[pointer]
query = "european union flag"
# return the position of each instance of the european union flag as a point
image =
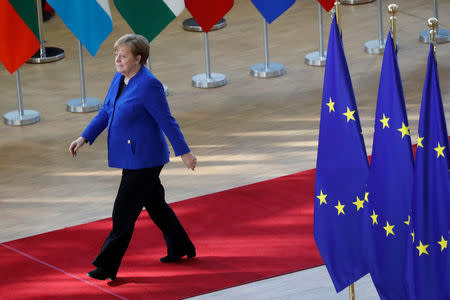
(390, 182)
(428, 259)
(341, 173)
(271, 9)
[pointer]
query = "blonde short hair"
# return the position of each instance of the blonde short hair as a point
(138, 45)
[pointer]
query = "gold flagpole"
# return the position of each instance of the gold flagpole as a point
(433, 23)
(393, 9)
(337, 5)
(351, 291)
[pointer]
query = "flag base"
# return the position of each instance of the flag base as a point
(356, 1)
(90, 105)
(442, 36)
(50, 54)
(273, 70)
(13, 118)
(216, 80)
(192, 25)
(315, 59)
(374, 47)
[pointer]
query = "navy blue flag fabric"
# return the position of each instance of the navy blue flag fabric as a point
(428, 259)
(271, 9)
(341, 173)
(390, 183)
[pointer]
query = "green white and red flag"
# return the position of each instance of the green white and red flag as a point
(149, 17)
(19, 32)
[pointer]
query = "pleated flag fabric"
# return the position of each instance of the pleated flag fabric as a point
(89, 20)
(390, 182)
(270, 9)
(149, 17)
(208, 12)
(428, 259)
(19, 32)
(341, 174)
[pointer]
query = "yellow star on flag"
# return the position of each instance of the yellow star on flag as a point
(440, 150)
(331, 105)
(374, 218)
(419, 142)
(349, 114)
(407, 221)
(422, 248)
(385, 121)
(443, 243)
(359, 203)
(413, 236)
(322, 197)
(366, 197)
(404, 130)
(389, 228)
(340, 208)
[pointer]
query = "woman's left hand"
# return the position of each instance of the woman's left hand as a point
(190, 161)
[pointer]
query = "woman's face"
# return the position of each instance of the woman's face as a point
(126, 63)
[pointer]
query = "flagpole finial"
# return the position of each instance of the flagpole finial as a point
(433, 23)
(337, 5)
(393, 9)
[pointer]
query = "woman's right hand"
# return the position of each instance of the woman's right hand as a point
(73, 148)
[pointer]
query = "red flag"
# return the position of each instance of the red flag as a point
(327, 4)
(19, 32)
(208, 12)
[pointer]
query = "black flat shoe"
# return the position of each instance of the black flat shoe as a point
(173, 259)
(100, 274)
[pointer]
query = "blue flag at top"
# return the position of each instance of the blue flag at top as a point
(341, 173)
(390, 182)
(428, 259)
(271, 9)
(89, 20)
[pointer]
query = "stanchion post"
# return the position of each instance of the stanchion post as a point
(45, 54)
(356, 1)
(318, 58)
(208, 79)
(82, 104)
(21, 116)
(149, 67)
(267, 69)
(393, 9)
(191, 24)
(377, 46)
(442, 35)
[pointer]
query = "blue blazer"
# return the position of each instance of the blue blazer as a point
(137, 122)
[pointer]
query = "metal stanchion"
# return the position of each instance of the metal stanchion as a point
(83, 104)
(377, 46)
(191, 24)
(45, 54)
(208, 79)
(442, 35)
(267, 69)
(356, 1)
(149, 67)
(21, 116)
(318, 58)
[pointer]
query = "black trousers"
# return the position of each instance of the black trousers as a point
(138, 189)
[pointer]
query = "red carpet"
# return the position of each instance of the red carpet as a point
(242, 235)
